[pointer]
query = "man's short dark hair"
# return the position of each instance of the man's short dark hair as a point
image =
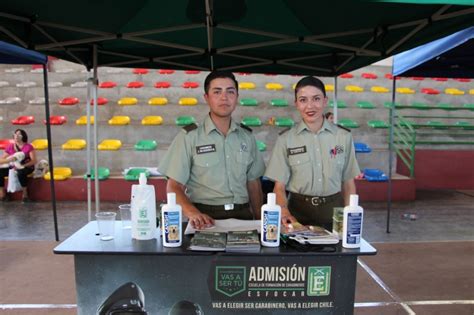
(310, 81)
(219, 74)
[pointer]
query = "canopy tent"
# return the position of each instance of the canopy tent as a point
(325, 38)
(451, 57)
(11, 54)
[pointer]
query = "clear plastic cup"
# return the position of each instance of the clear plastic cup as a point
(126, 216)
(106, 223)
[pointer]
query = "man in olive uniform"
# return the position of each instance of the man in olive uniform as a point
(215, 168)
(314, 161)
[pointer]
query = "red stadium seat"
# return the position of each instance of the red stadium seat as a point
(23, 120)
(243, 73)
(430, 91)
(69, 101)
(56, 120)
(135, 85)
(418, 78)
(390, 76)
(463, 80)
(5, 142)
(140, 71)
(107, 85)
(190, 85)
(440, 79)
(35, 67)
(346, 76)
(100, 101)
(368, 75)
(192, 71)
(162, 85)
(165, 71)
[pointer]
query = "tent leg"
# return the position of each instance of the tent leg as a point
(390, 153)
(50, 152)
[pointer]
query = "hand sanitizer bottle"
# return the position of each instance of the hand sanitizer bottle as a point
(143, 210)
(271, 222)
(171, 218)
(352, 223)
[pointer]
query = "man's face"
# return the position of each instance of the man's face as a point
(310, 102)
(222, 97)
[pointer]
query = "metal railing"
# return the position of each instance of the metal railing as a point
(404, 142)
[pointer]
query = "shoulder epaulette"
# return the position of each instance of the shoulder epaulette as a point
(283, 131)
(245, 127)
(190, 127)
(346, 129)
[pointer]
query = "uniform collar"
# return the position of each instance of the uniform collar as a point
(326, 126)
(210, 126)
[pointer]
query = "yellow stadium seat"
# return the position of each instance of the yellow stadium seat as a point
(74, 144)
(379, 89)
(188, 101)
(328, 87)
(40, 144)
(293, 86)
(158, 101)
(453, 91)
(152, 120)
(110, 144)
(405, 90)
(274, 86)
(119, 120)
(83, 120)
(126, 101)
(354, 88)
(247, 85)
(471, 91)
(60, 173)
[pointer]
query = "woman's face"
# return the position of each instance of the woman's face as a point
(310, 102)
(17, 136)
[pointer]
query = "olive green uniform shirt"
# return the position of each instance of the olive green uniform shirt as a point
(313, 164)
(214, 168)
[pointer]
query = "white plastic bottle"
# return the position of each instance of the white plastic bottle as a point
(143, 210)
(271, 222)
(171, 218)
(352, 223)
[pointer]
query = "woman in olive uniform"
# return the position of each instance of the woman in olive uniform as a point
(314, 161)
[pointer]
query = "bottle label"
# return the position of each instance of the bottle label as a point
(171, 227)
(271, 220)
(354, 224)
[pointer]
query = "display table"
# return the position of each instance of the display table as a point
(273, 281)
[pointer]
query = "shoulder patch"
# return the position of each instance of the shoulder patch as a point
(346, 129)
(283, 131)
(245, 127)
(190, 127)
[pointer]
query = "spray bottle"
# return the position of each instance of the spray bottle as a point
(352, 223)
(271, 222)
(143, 210)
(171, 218)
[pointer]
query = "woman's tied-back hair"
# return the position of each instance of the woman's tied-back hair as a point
(310, 81)
(24, 136)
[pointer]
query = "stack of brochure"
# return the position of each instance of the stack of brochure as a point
(243, 241)
(209, 241)
(311, 235)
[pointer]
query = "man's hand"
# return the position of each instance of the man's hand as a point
(286, 217)
(199, 220)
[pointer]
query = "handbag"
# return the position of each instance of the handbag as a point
(13, 182)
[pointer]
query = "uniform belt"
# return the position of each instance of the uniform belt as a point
(314, 200)
(221, 207)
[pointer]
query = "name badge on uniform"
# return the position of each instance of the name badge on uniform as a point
(207, 148)
(296, 150)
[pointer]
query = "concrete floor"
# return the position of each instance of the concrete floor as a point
(425, 265)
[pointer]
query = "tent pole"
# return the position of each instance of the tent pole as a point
(390, 153)
(335, 101)
(50, 151)
(96, 122)
(88, 149)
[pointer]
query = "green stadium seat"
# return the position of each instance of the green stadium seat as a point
(419, 105)
(145, 145)
(348, 123)
(252, 121)
(340, 104)
(284, 122)
(261, 146)
(377, 124)
(464, 124)
(103, 173)
(389, 104)
(134, 173)
(436, 124)
(469, 106)
(445, 106)
(248, 102)
(279, 102)
(365, 105)
(184, 120)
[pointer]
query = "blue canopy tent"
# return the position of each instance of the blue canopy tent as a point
(451, 56)
(11, 54)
